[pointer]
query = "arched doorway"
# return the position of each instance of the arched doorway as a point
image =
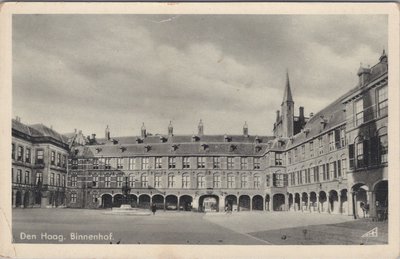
(290, 202)
(144, 201)
(118, 200)
(158, 201)
(267, 202)
(278, 202)
(381, 200)
(26, 199)
(313, 202)
(18, 199)
(132, 200)
(209, 203)
(171, 202)
(106, 201)
(359, 200)
(323, 202)
(304, 201)
(185, 202)
(333, 202)
(343, 202)
(257, 202)
(231, 202)
(297, 201)
(244, 203)
(38, 198)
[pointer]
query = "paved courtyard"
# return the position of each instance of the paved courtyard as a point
(244, 228)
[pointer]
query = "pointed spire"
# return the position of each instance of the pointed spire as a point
(170, 129)
(287, 96)
(200, 128)
(383, 57)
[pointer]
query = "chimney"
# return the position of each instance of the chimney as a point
(363, 75)
(108, 133)
(301, 112)
(311, 114)
(277, 115)
(93, 136)
(200, 128)
(170, 129)
(143, 131)
(245, 129)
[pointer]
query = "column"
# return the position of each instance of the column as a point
(165, 203)
(14, 196)
(251, 203)
(287, 203)
(221, 204)
(22, 199)
(350, 204)
(339, 203)
(271, 203)
(317, 196)
(371, 202)
(177, 203)
(308, 202)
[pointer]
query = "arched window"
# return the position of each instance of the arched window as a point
(382, 145)
(171, 181)
(107, 181)
(243, 181)
(185, 180)
(157, 180)
(132, 180)
(201, 181)
(217, 181)
(231, 181)
(144, 180)
(256, 181)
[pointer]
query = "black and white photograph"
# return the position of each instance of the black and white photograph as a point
(194, 129)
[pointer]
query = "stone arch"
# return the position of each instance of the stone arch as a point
(304, 201)
(171, 202)
(343, 206)
(257, 202)
(244, 202)
(297, 201)
(144, 201)
(279, 202)
(313, 202)
(231, 202)
(158, 201)
(209, 203)
(333, 201)
(106, 200)
(267, 202)
(291, 202)
(323, 201)
(185, 202)
(118, 200)
(359, 199)
(381, 190)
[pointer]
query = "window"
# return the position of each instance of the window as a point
(311, 144)
(95, 181)
(171, 162)
(53, 158)
(73, 197)
(13, 151)
(382, 101)
(243, 181)
(73, 180)
(295, 155)
(39, 156)
(186, 180)
(342, 137)
(119, 181)
(27, 177)
(332, 170)
(145, 163)
(158, 162)
(132, 164)
(108, 163)
(132, 180)
(331, 141)
(360, 154)
(243, 163)
(344, 166)
(39, 177)
(321, 145)
(256, 163)
(277, 179)
(64, 161)
(303, 152)
(157, 181)
(200, 181)
(120, 164)
(230, 163)
(383, 148)
(58, 180)
(278, 159)
(95, 163)
(231, 181)
(322, 171)
(316, 174)
(95, 197)
(107, 181)
(171, 181)
(217, 181)
(257, 181)
(143, 180)
(58, 159)
(20, 153)
(63, 181)
(19, 176)
(201, 162)
(216, 162)
(102, 162)
(52, 179)
(186, 163)
(359, 111)
(290, 157)
(28, 155)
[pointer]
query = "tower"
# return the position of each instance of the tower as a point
(200, 128)
(143, 131)
(245, 129)
(287, 110)
(107, 133)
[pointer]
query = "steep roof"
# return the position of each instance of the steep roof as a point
(287, 95)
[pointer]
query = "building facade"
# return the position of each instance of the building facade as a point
(334, 161)
(39, 166)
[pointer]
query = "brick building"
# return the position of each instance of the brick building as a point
(39, 166)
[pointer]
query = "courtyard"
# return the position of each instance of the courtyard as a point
(71, 226)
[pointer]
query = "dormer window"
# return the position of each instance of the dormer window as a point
(174, 147)
(115, 141)
(227, 138)
(258, 148)
(195, 138)
(98, 150)
(232, 148)
(323, 121)
(139, 140)
(281, 142)
(163, 139)
(147, 148)
(204, 146)
(306, 131)
(122, 149)
(257, 139)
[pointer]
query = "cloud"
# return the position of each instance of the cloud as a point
(87, 71)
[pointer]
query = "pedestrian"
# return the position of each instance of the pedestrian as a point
(154, 209)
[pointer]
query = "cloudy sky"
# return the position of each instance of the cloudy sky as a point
(87, 71)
